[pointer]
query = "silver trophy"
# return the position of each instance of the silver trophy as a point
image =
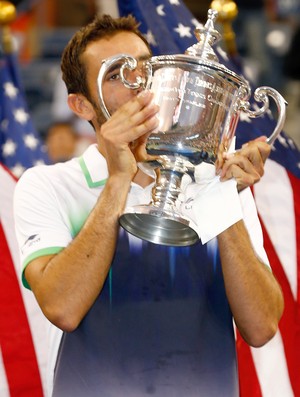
(200, 102)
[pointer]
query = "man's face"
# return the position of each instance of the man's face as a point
(114, 92)
(61, 142)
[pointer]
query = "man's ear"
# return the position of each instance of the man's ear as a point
(81, 106)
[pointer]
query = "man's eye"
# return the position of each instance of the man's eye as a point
(114, 76)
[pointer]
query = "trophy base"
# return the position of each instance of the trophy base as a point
(159, 226)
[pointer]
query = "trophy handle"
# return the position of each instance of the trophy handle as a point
(128, 62)
(261, 95)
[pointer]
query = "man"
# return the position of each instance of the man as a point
(138, 318)
(61, 141)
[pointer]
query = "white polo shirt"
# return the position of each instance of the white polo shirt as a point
(171, 295)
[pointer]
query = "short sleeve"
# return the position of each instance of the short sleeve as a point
(41, 227)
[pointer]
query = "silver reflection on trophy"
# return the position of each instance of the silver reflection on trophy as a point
(200, 101)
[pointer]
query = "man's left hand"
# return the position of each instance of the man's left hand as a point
(245, 165)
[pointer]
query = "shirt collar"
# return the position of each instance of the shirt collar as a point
(94, 167)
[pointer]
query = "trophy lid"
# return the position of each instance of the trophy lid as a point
(202, 55)
(207, 36)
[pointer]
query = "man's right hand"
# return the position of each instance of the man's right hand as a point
(123, 137)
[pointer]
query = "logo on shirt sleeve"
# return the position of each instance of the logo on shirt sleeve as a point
(33, 239)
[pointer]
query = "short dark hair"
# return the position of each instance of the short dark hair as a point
(73, 69)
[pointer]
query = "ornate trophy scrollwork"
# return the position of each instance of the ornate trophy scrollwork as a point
(200, 101)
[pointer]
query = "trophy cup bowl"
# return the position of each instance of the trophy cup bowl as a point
(200, 101)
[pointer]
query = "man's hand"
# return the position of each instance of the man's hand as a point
(123, 137)
(246, 165)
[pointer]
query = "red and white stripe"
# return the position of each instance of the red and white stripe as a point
(273, 370)
(22, 326)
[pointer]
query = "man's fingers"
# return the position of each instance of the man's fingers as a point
(243, 177)
(258, 146)
(246, 165)
(137, 108)
(251, 166)
(251, 155)
(135, 118)
(238, 172)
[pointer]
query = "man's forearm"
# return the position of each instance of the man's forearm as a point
(68, 284)
(253, 293)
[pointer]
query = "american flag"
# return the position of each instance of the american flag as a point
(22, 325)
(273, 370)
(20, 145)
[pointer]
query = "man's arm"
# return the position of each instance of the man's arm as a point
(254, 296)
(253, 293)
(67, 284)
